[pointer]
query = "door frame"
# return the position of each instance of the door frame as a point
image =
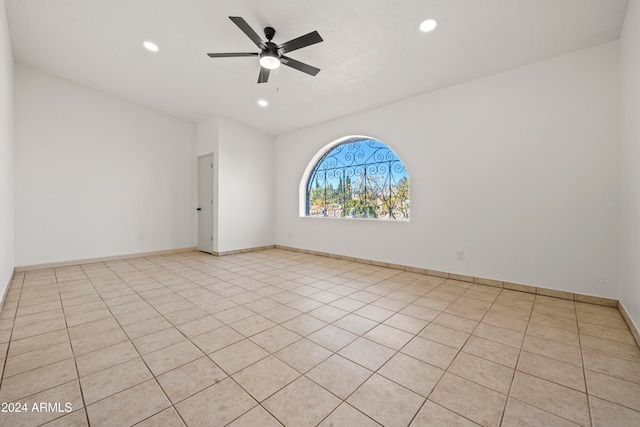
(213, 199)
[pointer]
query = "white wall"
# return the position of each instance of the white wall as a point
(93, 171)
(518, 169)
(6, 155)
(630, 162)
(244, 183)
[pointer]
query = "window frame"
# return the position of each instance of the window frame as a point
(385, 165)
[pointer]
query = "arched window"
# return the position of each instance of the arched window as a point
(359, 177)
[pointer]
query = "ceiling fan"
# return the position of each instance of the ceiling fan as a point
(272, 55)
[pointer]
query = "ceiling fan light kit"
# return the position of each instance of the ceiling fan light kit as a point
(269, 59)
(272, 55)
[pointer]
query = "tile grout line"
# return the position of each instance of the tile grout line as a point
(239, 271)
(335, 353)
(521, 346)
(208, 357)
(554, 382)
(584, 370)
(75, 363)
(153, 375)
(301, 374)
(396, 353)
(460, 351)
(74, 356)
(444, 370)
(515, 368)
(229, 376)
(20, 354)
(13, 325)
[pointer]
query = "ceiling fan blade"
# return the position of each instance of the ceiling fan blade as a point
(300, 42)
(264, 75)
(242, 24)
(300, 66)
(230, 55)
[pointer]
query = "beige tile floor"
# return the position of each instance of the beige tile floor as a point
(278, 337)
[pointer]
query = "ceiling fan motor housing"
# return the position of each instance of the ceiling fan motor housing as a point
(269, 33)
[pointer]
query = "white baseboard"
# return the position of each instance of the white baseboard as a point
(21, 268)
(629, 321)
(577, 297)
(6, 290)
(608, 302)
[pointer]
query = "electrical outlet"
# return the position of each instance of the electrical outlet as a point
(460, 255)
(140, 236)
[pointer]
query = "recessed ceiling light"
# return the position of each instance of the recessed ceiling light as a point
(262, 102)
(428, 25)
(150, 46)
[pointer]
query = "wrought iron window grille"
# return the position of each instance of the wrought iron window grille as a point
(359, 178)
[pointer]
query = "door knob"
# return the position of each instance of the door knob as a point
(199, 209)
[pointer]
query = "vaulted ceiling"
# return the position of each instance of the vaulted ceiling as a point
(373, 51)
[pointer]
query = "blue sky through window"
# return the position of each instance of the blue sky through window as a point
(359, 175)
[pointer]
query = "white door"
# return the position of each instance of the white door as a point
(205, 203)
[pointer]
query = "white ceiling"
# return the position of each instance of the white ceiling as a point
(373, 52)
